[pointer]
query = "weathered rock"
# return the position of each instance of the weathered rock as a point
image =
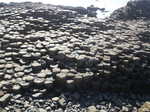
(2, 110)
(70, 84)
(102, 111)
(47, 48)
(49, 82)
(16, 87)
(24, 84)
(134, 9)
(62, 102)
(125, 109)
(4, 98)
(144, 36)
(36, 66)
(92, 109)
(28, 78)
(39, 81)
(42, 110)
(37, 95)
(145, 107)
(61, 77)
(55, 99)
(34, 109)
(1, 93)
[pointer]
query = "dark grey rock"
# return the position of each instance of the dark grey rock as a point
(134, 9)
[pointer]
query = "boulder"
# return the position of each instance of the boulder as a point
(135, 9)
(145, 107)
(92, 109)
(4, 98)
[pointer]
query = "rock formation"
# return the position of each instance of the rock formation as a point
(135, 9)
(46, 48)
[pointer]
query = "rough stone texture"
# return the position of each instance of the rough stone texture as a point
(92, 109)
(4, 98)
(51, 49)
(135, 9)
(145, 107)
(39, 46)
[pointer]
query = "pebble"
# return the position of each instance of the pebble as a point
(145, 107)
(1, 93)
(59, 110)
(62, 102)
(125, 109)
(41, 110)
(5, 98)
(37, 95)
(28, 78)
(38, 81)
(41, 75)
(92, 109)
(2, 110)
(102, 111)
(16, 87)
(55, 99)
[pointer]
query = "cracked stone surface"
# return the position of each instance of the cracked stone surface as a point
(54, 49)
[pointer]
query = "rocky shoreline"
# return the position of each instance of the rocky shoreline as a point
(76, 102)
(52, 57)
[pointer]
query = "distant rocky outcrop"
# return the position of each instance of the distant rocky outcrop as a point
(135, 9)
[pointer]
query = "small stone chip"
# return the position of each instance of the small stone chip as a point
(42, 110)
(2, 110)
(55, 99)
(16, 87)
(1, 93)
(36, 95)
(41, 75)
(38, 81)
(61, 76)
(62, 102)
(36, 64)
(92, 109)
(28, 78)
(145, 107)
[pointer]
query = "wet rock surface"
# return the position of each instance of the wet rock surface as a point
(88, 102)
(52, 57)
